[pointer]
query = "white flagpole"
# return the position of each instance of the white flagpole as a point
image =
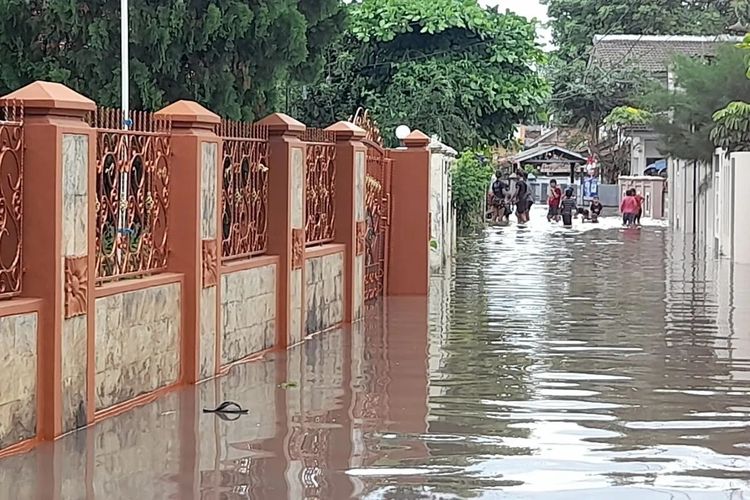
(125, 72)
(125, 105)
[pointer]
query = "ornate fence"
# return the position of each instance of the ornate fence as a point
(11, 199)
(320, 181)
(245, 190)
(132, 194)
(377, 204)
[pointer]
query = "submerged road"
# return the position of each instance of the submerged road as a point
(588, 364)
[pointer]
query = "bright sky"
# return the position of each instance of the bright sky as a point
(527, 8)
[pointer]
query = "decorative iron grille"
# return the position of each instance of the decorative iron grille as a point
(320, 191)
(132, 190)
(244, 190)
(377, 206)
(11, 198)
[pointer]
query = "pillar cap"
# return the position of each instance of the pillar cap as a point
(188, 114)
(281, 124)
(417, 139)
(43, 96)
(345, 131)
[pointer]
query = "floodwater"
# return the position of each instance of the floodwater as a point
(588, 364)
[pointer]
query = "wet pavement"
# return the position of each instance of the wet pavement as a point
(588, 364)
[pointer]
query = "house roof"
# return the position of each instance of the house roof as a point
(653, 53)
(539, 140)
(540, 152)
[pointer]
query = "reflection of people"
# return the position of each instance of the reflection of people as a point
(595, 209)
(568, 207)
(554, 198)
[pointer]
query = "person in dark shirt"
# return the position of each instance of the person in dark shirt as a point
(521, 198)
(568, 207)
(595, 209)
(499, 190)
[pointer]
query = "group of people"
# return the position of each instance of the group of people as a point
(631, 207)
(566, 207)
(504, 198)
(561, 205)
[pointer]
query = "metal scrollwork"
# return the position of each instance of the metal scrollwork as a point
(320, 193)
(132, 189)
(11, 198)
(245, 190)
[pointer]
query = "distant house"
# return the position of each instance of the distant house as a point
(551, 161)
(654, 55)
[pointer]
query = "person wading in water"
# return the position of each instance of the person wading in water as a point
(568, 207)
(521, 198)
(554, 198)
(499, 190)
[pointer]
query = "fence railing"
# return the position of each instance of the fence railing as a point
(132, 194)
(320, 182)
(11, 199)
(245, 189)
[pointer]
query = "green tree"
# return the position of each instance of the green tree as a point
(685, 118)
(229, 55)
(575, 22)
(448, 67)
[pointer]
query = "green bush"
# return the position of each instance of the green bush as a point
(471, 177)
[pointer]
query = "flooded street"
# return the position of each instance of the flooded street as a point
(587, 364)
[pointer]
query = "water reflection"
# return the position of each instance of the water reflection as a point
(591, 364)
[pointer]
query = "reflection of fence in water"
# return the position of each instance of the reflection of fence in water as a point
(11, 198)
(132, 189)
(245, 190)
(320, 184)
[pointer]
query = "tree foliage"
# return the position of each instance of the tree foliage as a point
(585, 95)
(731, 130)
(575, 22)
(447, 67)
(685, 117)
(628, 116)
(227, 54)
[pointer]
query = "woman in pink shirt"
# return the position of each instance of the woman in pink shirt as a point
(629, 208)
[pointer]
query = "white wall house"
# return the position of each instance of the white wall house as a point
(443, 214)
(711, 203)
(698, 192)
(644, 150)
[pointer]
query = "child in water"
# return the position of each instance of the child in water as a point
(568, 207)
(629, 208)
(595, 209)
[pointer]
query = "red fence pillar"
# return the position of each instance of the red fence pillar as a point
(193, 219)
(286, 222)
(409, 260)
(58, 257)
(350, 213)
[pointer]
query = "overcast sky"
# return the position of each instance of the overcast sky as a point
(527, 8)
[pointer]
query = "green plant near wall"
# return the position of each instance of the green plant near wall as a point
(471, 177)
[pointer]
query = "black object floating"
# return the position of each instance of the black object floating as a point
(228, 410)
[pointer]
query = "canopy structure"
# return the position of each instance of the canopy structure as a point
(551, 159)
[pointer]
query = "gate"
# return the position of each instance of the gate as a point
(377, 206)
